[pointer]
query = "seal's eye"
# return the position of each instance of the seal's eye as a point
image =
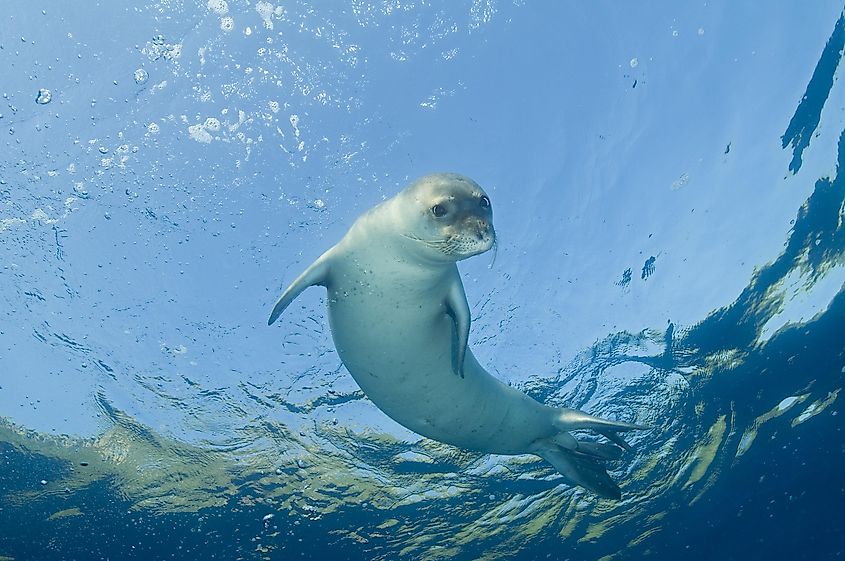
(484, 202)
(438, 210)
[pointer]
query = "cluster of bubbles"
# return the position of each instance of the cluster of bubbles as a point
(158, 48)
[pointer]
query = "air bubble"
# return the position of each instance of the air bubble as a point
(44, 96)
(141, 76)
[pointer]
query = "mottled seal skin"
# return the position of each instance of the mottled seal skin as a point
(400, 321)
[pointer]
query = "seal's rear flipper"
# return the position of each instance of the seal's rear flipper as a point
(579, 469)
(572, 419)
(316, 274)
(599, 450)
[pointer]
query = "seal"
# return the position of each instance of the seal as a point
(400, 321)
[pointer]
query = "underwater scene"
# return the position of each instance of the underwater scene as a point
(648, 226)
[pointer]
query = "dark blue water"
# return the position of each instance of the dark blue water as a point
(782, 502)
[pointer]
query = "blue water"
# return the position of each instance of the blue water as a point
(668, 192)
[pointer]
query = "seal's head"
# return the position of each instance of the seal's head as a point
(448, 216)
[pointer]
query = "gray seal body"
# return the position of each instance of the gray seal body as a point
(400, 322)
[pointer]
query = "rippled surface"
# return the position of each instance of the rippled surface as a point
(668, 198)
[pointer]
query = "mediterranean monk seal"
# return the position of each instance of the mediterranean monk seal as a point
(400, 321)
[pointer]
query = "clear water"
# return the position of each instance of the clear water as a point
(667, 193)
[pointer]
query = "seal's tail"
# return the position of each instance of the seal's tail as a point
(580, 461)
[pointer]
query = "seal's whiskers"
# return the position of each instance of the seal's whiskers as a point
(446, 246)
(495, 252)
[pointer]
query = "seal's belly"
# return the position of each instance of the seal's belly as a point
(400, 353)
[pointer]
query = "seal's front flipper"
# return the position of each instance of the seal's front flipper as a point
(315, 274)
(458, 309)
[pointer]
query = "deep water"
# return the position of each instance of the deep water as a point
(782, 502)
